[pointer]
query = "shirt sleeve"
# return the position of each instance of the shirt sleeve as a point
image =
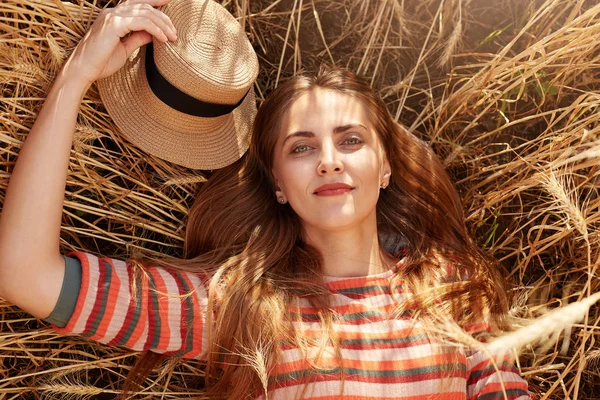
(493, 376)
(67, 300)
(158, 309)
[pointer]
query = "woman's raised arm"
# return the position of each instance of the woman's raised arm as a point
(31, 267)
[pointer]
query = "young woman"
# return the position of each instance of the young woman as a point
(315, 266)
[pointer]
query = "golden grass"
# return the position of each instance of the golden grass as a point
(505, 93)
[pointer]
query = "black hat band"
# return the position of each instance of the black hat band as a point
(179, 100)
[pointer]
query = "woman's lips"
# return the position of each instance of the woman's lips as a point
(333, 189)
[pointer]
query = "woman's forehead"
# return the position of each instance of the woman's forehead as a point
(324, 107)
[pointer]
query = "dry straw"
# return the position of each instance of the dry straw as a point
(506, 95)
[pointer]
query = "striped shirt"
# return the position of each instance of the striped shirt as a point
(383, 358)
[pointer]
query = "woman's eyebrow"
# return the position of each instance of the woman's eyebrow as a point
(336, 130)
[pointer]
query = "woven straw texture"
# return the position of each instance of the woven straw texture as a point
(213, 61)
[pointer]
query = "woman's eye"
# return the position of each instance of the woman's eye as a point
(352, 140)
(300, 148)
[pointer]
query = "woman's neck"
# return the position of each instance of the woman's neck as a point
(349, 252)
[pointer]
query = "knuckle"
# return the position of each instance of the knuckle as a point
(109, 19)
(152, 27)
(145, 11)
(149, 21)
(103, 14)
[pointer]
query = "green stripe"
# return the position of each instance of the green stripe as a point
(154, 299)
(500, 395)
(360, 315)
(295, 316)
(341, 317)
(439, 368)
(506, 366)
(363, 289)
(380, 341)
(407, 339)
(137, 311)
(106, 284)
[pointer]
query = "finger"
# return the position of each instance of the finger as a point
(159, 18)
(163, 21)
(146, 24)
(153, 3)
(164, 17)
(135, 41)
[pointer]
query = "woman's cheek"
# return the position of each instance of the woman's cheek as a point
(294, 182)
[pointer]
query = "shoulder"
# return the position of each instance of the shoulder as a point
(97, 269)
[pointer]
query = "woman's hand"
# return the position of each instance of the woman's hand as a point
(31, 267)
(105, 48)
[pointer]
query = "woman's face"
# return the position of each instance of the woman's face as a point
(329, 163)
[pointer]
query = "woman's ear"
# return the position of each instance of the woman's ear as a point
(276, 180)
(278, 190)
(387, 174)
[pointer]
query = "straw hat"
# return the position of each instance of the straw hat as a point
(190, 102)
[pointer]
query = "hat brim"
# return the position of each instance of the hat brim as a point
(153, 126)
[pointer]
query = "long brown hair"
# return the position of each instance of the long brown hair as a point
(253, 249)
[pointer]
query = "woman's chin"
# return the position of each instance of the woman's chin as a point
(336, 222)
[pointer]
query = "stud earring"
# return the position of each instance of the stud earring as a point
(281, 200)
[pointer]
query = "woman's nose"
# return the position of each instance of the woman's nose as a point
(330, 160)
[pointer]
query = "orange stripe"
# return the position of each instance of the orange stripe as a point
(396, 334)
(346, 308)
(446, 396)
(477, 328)
(487, 362)
(111, 303)
(358, 282)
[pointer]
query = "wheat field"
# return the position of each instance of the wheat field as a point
(506, 94)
